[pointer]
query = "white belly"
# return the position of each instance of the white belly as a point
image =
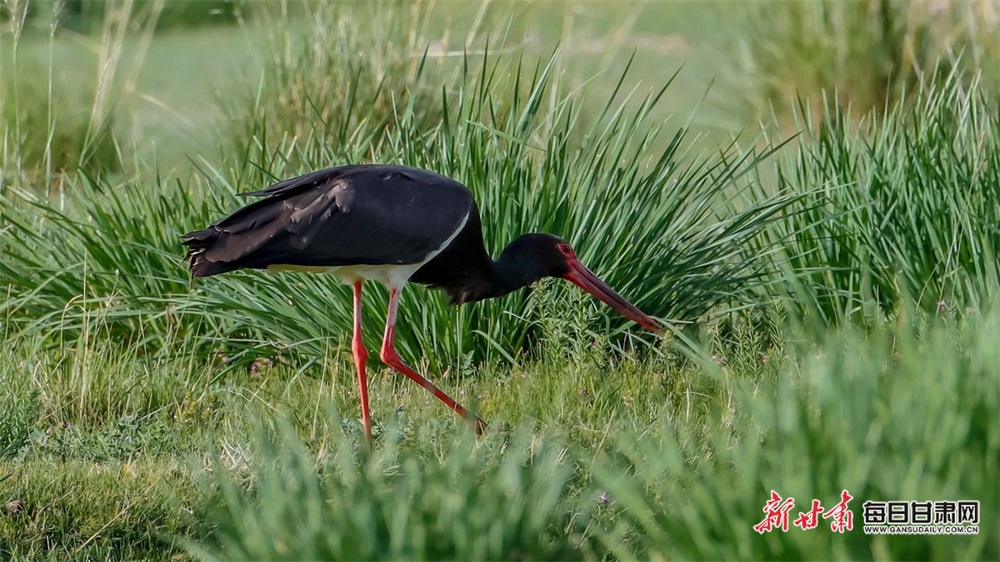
(389, 275)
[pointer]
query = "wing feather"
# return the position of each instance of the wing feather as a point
(350, 215)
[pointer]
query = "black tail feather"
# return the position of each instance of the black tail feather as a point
(197, 243)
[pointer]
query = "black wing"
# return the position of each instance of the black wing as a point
(349, 215)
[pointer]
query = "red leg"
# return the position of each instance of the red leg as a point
(360, 356)
(391, 358)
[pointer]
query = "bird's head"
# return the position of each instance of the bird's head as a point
(534, 256)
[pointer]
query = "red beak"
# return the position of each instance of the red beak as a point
(584, 278)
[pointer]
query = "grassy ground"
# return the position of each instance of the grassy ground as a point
(113, 454)
(831, 300)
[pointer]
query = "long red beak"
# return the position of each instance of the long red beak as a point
(584, 278)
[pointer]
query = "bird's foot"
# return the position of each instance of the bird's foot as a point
(479, 425)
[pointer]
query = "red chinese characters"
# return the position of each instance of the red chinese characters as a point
(776, 515)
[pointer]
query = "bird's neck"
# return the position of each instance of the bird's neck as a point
(506, 274)
(509, 274)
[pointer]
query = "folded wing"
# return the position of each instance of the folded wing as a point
(350, 215)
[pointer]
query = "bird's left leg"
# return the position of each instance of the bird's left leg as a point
(360, 356)
(391, 358)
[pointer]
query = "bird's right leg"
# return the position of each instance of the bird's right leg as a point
(360, 356)
(391, 358)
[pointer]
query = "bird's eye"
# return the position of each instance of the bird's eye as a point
(566, 250)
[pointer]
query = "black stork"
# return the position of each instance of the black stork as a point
(391, 224)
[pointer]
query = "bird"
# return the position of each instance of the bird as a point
(392, 224)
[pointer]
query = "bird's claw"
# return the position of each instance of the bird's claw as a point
(479, 425)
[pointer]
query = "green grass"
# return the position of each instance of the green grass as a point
(867, 55)
(76, 509)
(832, 300)
(701, 236)
(913, 197)
(686, 447)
